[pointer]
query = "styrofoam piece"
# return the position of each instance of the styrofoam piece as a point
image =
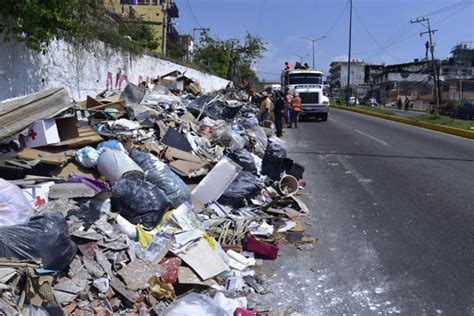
(216, 181)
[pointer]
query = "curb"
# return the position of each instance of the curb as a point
(439, 128)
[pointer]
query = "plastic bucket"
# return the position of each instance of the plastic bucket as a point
(288, 185)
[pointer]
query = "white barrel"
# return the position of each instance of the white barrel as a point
(114, 163)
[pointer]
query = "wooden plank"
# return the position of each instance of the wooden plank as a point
(86, 137)
(18, 114)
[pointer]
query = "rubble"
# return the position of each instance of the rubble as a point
(152, 201)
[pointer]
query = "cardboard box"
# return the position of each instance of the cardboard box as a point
(37, 195)
(52, 131)
(42, 133)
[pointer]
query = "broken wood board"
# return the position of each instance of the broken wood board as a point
(47, 155)
(19, 113)
(119, 105)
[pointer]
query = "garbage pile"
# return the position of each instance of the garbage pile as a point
(146, 202)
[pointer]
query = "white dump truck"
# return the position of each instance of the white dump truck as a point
(308, 84)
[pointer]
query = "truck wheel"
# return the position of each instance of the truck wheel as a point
(324, 117)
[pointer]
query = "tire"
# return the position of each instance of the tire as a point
(324, 117)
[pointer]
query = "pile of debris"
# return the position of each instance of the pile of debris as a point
(146, 202)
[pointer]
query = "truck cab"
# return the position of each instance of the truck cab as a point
(308, 84)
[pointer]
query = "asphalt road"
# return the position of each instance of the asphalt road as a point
(393, 208)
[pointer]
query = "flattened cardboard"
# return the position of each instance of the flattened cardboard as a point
(203, 260)
(49, 156)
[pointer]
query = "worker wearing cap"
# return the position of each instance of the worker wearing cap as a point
(296, 109)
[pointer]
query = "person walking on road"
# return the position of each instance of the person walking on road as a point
(296, 109)
(265, 106)
(407, 104)
(278, 111)
(399, 103)
(288, 110)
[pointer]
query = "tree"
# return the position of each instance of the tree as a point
(230, 58)
(38, 22)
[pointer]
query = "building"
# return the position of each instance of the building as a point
(457, 74)
(337, 78)
(159, 14)
(411, 80)
(187, 43)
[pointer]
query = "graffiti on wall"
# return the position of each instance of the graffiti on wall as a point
(121, 80)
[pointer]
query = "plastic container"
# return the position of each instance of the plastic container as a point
(113, 164)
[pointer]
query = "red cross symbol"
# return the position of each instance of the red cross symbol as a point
(39, 201)
(32, 134)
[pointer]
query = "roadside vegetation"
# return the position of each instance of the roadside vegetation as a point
(37, 23)
(434, 118)
(446, 121)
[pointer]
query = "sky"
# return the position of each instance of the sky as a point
(381, 29)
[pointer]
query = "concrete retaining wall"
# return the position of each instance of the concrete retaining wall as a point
(83, 71)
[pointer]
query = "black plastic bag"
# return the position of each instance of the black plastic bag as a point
(163, 177)
(273, 161)
(217, 109)
(245, 186)
(45, 237)
(243, 158)
(139, 201)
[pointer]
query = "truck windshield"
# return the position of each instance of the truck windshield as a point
(305, 79)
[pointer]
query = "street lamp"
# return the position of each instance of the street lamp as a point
(313, 40)
(301, 57)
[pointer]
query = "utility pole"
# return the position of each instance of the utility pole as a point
(435, 71)
(165, 26)
(349, 59)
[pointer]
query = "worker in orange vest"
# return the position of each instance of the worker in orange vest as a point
(287, 67)
(296, 109)
(288, 99)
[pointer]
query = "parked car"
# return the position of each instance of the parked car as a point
(465, 111)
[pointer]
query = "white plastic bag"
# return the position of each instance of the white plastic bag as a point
(194, 304)
(14, 207)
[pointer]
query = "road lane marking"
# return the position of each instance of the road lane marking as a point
(372, 137)
(332, 120)
(364, 182)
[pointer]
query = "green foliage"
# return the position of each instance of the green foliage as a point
(38, 22)
(230, 58)
(175, 51)
(141, 34)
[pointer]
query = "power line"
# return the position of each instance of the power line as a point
(454, 13)
(260, 16)
(338, 19)
(404, 33)
(193, 15)
(449, 7)
(372, 37)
